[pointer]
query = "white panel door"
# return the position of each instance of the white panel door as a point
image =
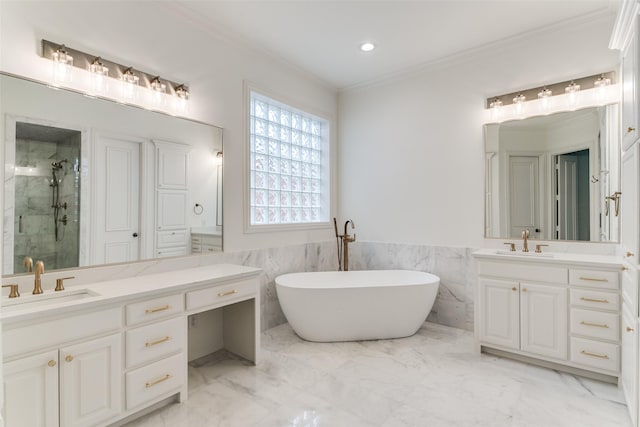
(524, 195)
(91, 382)
(629, 363)
(31, 391)
(629, 94)
(567, 197)
(499, 318)
(172, 210)
(117, 198)
(629, 204)
(543, 311)
(173, 166)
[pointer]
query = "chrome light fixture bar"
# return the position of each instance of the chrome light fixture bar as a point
(106, 68)
(583, 83)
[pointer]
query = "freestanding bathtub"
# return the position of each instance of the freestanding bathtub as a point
(356, 305)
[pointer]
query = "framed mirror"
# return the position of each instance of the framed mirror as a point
(557, 176)
(89, 181)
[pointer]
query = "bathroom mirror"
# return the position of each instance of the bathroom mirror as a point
(556, 176)
(89, 181)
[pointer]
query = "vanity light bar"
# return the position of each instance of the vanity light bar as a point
(583, 83)
(114, 70)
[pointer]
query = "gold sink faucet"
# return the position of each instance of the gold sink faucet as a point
(37, 285)
(525, 236)
(28, 263)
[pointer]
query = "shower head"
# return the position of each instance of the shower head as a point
(58, 165)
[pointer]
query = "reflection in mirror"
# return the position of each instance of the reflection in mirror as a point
(91, 182)
(555, 175)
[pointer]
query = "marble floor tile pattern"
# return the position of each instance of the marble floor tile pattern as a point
(433, 379)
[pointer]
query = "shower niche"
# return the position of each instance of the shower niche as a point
(47, 196)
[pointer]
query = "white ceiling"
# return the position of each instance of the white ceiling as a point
(323, 37)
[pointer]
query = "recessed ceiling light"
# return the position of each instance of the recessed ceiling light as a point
(367, 47)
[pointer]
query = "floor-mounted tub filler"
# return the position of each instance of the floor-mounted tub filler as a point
(356, 305)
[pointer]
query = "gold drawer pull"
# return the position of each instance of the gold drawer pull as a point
(600, 356)
(224, 294)
(604, 301)
(630, 129)
(599, 325)
(155, 310)
(160, 341)
(593, 279)
(158, 381)
(52, 363)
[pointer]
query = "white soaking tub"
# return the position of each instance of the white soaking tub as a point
(356, 305)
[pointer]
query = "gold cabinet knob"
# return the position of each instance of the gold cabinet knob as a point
(52, 363)
(625, 268)
(69, 358)
(514, 289)
(630, 129)
(629, 254)
(630, 329)
(524, 289)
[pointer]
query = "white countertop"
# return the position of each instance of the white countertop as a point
(211, 231)
(551, 258)
(114, 291)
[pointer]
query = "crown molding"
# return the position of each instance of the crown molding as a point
(623, 28)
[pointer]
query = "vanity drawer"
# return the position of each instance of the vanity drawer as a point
(595, 324)
(630, 288)
(595, 299)
(153, 309)
(154, 380)
(168, 252)
(53, 332)
(167, 239)
(594, 278)
(595, 354)
(532, 272)
(207, 249)
(154, 341)
(219, 295)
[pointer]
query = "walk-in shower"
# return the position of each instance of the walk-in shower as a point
(47, 196)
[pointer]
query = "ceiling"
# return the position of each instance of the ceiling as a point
(323, 37)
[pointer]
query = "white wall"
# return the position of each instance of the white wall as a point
(411, 149)
(160, 38)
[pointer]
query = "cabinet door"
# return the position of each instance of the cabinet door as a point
(173, 166)
(499, 320)
(172, 210)
(543, 316)
(629, 94)
(629, 204)
(629, 363)
(31, 391)
(91, 381)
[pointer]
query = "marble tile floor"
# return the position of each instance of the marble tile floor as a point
(433, 379)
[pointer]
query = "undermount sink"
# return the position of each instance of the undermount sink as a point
(529, 254)
(30, 301)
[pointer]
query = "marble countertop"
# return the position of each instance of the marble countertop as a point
(551, 258)
(211, 231)
(114, 291)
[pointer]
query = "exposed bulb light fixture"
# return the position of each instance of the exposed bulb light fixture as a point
(519, 102)
(159, 89)
(99, 75)
(495, 106)
(135, 86)
(367, 47)
(545, 96)
(129, 84)
(601, 83)
(182, 95)
(571, 90)
(62, 65)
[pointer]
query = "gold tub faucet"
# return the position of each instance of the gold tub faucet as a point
(37, 284)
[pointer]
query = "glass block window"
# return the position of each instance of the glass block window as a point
(289, 164)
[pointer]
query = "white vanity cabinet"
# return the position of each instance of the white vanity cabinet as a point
(524, 316)
(95, 362)
(629, 65)
(68, 385)
(205, 243)
(561, 312)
